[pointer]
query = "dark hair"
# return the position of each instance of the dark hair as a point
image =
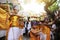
(34, 23)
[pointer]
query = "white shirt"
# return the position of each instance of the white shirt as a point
(14, 33)
(54, 26)
(23, 30)
(29, 26)
(2, 33)
(42, 36)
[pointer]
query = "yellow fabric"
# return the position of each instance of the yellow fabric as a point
(46, 30)
(14, 20)
(4, 16)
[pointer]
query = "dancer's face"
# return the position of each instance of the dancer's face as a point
(35, 26)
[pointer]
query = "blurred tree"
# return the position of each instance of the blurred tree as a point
(49, 3)
(11, 6)
(53, 7)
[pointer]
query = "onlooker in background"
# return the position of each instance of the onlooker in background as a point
(57, 22)
(27, 26)
(53, 29)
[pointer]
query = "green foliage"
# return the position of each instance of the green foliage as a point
(11, 5)
(53, 7)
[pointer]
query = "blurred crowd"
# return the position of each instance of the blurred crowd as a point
(47, 29)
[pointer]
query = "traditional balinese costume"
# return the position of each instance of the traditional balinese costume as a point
(4, 23)
(15, 32)
(34, 33)
(46, 31)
